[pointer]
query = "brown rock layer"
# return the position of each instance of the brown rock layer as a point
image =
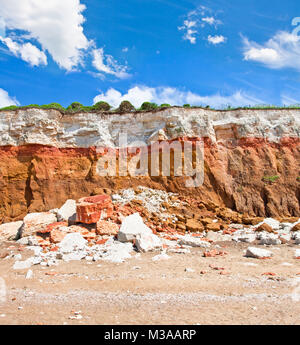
(252, 176)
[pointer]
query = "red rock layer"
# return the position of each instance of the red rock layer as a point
(37, 178)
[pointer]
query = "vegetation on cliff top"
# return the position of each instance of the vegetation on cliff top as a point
(126, 106)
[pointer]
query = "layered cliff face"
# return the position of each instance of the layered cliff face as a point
(251, 157)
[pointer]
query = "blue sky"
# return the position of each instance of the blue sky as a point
(185, 51)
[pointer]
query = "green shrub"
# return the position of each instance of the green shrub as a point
(186, 106)
(103, 106)
(10, 107)
(30, 106)
(52, 106)
(270, 178)
(75, 106)
(165, 105)
(149, 106)
(126, 107)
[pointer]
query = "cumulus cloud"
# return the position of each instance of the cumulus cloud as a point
(107, 64)
(280, 51)
(6, 100)
(55, 24)
(57, 27)
(27, 52)
(216, 39)
(139, 94)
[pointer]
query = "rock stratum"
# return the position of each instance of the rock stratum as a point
(251, 157)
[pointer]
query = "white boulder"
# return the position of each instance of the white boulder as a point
(258, 253)
(67, 212)
(34, 222)
(269, 240)
(247, 238)
(217, 237)
(71, 243)
(146, 242)
(131, 227)
(9, 231)
(192, 241)
(113, 251)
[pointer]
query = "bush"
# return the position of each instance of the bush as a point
(165, 105)
(30, 106)
(149, 106)
(75, 106)
(126, 107)
(186, 106)
(103, 106)
(52, 106)
(10, 107)
(270, 178)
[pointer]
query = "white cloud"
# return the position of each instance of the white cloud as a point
(209, 20)
(55, 24)
(216, 39)
(139, 94)
(27, 52)
(281, 51)
(107, 64)
(197, 20)
(189, 33)
(6, 100)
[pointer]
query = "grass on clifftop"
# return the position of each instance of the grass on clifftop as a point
(126, 106)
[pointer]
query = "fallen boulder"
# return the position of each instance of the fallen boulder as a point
(217, 237)
(146, 242)
(247, 238)
(131, 227)
(269, 240)
(9, 231)
(67, 212)
(193, 242)
(71, 243)
(92, 209)
(258, 253)
(36, 222)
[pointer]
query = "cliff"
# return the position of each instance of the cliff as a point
(252, 157)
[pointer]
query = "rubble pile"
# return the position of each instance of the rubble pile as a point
(153, 200)
(142, 220)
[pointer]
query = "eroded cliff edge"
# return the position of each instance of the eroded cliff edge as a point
(47, 157)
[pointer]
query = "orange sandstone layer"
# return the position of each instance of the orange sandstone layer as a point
(36, 178)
